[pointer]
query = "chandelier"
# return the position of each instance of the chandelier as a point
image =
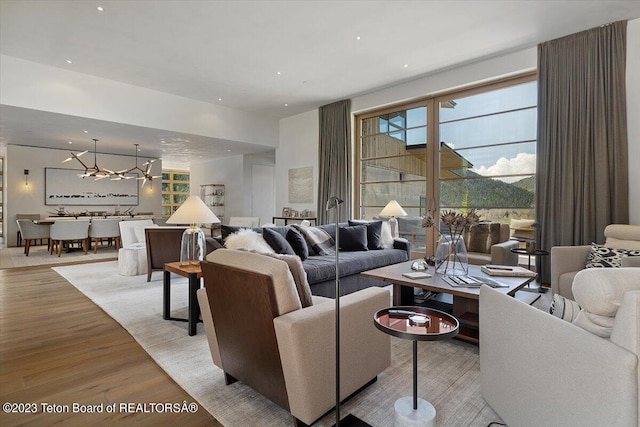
(93, 171)
(146, 173)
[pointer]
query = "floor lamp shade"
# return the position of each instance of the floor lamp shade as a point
(392, 210)
(193, 212)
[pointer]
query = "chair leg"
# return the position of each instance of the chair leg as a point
(95, 245)
(60, 244)
(27, 246)
(85, 245)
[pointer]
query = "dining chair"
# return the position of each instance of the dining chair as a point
(31, 232)
(101, 229)
(69, 231)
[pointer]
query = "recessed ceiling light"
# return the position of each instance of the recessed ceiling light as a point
(100, 9)
(406, 65)
(70, 142)
(219, 99)
(228, 151)
(86, 131)
(278, 73)
(358, 38)
(286, 105)
(69, 61)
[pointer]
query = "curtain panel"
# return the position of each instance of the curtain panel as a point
(334, 160)
(582, 159)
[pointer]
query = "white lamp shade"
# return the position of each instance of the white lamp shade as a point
(193, 211)
(393, 209)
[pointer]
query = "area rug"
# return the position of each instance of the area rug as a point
(39, 255)
(449, 371)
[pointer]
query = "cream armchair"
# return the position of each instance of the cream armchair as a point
(259, 334)
(539, 370)
(567, 261)
(488, 243)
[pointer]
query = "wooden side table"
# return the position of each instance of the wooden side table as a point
(194, 273)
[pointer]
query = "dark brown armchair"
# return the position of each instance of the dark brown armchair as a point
(163, 246)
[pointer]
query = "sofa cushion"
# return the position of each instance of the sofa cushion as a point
(322, 268)
(226, 230)
(248, 240)
(277, 242)
(353, 238)
(599, 292)
(317, 239)
(374, 232)
(298, 244)
(602, 256)
(564, 308)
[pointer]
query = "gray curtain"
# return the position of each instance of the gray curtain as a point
(335, 160)
(582, 161)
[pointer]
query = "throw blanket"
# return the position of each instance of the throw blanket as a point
(317, 239)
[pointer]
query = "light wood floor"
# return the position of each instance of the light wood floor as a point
(58, 347)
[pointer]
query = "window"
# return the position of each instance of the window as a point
(175, 190)
(485, 156)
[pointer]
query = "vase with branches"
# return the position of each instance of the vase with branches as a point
(451, 253)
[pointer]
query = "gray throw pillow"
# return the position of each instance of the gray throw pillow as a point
(353, 238)
(279, 244)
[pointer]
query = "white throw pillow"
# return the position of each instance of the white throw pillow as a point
(139, 232)
(248, 240)
(387, 237)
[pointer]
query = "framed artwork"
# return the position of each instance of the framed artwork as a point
(63, 187)
(294, 214)
(286, 212)
(301, 185)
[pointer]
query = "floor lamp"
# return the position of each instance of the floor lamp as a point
(349, 420)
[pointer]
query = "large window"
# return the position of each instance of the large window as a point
(485, 156)
(175, 190)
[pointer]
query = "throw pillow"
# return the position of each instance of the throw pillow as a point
(353, 238)
(318, 239)
(248, 240)
(299, 277)
(277, 242)
(387, 237)
(298, 244)
(564, 308)
(480, 237)
(227, 230)
(602, 256)
(212, 244)
(374, 233)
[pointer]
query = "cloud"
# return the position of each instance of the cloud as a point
(522, 163)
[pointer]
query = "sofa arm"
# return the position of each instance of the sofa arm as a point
(501, 253)
(577, 378)
(567, 259)
(404, 244)
(306, 340)
(630, 261)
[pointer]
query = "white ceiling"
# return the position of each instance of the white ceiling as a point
(233, 50)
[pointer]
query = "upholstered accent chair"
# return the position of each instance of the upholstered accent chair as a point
(539, 370)
(259, 334)
(163, 246)
(567, 261)
(488, 243)
(31, 232)
(69, 231)
(132, 256)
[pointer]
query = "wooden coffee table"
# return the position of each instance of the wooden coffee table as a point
(465, 300)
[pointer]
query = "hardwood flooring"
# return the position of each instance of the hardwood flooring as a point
(57, 347)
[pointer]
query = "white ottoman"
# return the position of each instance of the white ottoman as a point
(132, 261)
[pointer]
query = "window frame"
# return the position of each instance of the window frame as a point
(173, 205)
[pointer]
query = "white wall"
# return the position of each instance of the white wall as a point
(41, 87)
(633, 116)
(20, 199)
(298, 148)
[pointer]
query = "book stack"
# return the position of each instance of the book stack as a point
(507, 270)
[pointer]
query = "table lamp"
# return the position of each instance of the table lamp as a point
(392, 210)
(193, 212)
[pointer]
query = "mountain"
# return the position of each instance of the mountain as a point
(487, 193)
(528, 183)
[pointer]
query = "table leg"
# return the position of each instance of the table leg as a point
(194, 283)
(415, 375)
(166, 294)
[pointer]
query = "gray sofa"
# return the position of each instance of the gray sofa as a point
(320, 269)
